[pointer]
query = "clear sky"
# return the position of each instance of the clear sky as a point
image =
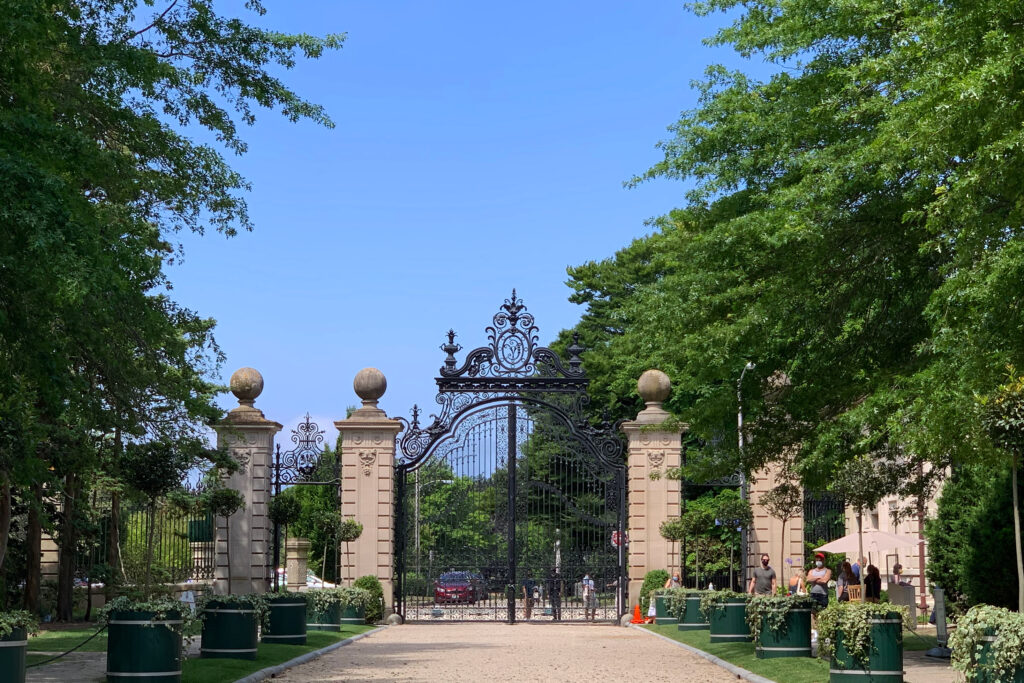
(479, 147)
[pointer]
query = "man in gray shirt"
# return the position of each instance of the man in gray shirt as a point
(763, 581)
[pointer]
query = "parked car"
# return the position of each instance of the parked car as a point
(459, 587)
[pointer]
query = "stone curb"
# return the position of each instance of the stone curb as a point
(272, 671)
(731, 668)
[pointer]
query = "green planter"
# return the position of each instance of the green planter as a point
(328, 619)
(885, 659)
(229, 631)
(287, 621)
(350, 614)
(142, 648)
(692, 619)
(794, 640)
(661, 615)
(12, 656)
(728, 622)
(984, 656)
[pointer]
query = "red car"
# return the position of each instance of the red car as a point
(456, 587)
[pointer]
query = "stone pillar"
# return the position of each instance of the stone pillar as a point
(367, 483)
(296, 551)
(248, 437)
(654, 448)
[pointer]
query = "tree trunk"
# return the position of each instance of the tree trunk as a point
(5, 518)
(66, 554)
(782, 543)
(33, 550)
(860, 534)
(151, 523)
(227, 549)
(1016, 539)
(115, 572)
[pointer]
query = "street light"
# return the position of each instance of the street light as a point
(744, 538)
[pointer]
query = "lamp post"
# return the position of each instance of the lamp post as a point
(744, 536)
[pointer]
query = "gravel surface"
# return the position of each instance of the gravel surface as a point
(499, 652)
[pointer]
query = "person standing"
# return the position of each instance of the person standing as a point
(555, 594)
(589, 598)
(673, 581)
(861, 562)
(529, 588)
(872, 584)
(763, 581)
(818, 578)
(845, 579)
(796, 583)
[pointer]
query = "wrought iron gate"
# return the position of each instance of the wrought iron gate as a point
(304, 465)
(510, 496)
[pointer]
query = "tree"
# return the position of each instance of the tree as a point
(97, 173)
(732, 514)
(1003, 417)
(349, 530)
(225, 502)
(784, 502)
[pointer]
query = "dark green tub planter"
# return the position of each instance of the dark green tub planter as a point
(692, 619)
(287, 624)
(229, 630)
(884, 663)
(143, 647)
(352, 614)
(12, 656)
(793, 640)
(661, 614)
(326, 619)
(987, 635)
(728, 622)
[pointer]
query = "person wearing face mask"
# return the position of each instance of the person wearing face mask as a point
(763, 581)
(818, 578)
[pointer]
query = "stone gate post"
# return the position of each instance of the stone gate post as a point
(248, 437)
(654, 448)
(367, 483)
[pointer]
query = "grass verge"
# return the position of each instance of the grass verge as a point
(220, 670)
(60, 640)
(32, 659)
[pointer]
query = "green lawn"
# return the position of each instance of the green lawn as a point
(32, 659)
(220, 670)
(789, 670)
(60, 640)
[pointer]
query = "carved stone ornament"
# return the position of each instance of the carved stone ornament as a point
(243, 458)
(656, 458)
(367, 458)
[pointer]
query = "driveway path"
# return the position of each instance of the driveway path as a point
(499, 652)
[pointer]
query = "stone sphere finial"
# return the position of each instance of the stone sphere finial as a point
(653, 386)
(246, 385)
(370, 384)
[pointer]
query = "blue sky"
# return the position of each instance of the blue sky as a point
(478, 147)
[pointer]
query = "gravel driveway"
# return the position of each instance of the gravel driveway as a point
(499, 652)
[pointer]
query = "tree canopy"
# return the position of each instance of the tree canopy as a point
(853, 226)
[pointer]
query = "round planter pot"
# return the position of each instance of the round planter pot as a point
(12, 656)
(350, 614)
(229, 631)
(728, 622)
(661, 615)
(793, 640)
(885, 657)
(692, 619)
(326, 620)
(287, 621)
(984, 656)
(144, 649)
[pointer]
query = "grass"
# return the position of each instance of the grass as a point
(60, 640)
(32, 659)
(220, 670)
(790, 670)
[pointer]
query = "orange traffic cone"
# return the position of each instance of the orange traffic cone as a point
(637, 619)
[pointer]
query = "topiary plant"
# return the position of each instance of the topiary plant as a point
(348, 531)
(370, 583)
(225, 502)
(654, 580)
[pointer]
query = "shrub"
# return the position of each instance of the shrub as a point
(654, 580)
(1006, 652)
(374, 611)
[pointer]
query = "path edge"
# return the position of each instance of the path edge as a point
(271, 671)
(718, 661)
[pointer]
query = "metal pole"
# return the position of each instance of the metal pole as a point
(416, 488)
(277, 527)
(512, 448)
(744, 494)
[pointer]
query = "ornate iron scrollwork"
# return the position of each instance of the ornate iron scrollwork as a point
(301, 464)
